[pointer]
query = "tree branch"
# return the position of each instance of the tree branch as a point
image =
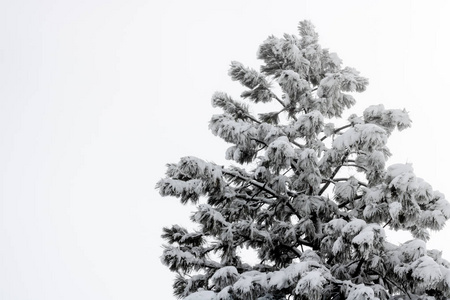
(337, 130)
(393, 283)
(336, 170)
(253, 119)
(266, 189)
(293, 249)
(358, 268)
(348, 201)
(278, 99)
(255, 199)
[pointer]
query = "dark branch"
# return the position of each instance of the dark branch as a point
(337, 130)
(336, 170)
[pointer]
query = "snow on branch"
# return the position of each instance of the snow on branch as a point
(389, 119)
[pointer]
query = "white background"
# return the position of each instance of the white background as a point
(96, 96)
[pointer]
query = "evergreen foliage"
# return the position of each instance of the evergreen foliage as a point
(311, 198)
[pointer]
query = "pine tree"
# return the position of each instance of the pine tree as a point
(311, 198)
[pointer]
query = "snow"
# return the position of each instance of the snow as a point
(376, 160)
(283, 145)
(394, 209)
(413, 249)
(280, 152)
(232, 130)
(247, 76)
(398, 169)
(374, 194)
(433, 219)
(228, 271)
(309, 124)
(179, 254)
(224, 294)
(192, 167)
(400, 118)
(297, 269)
(269, 132)
(368, 239)
(351, 81)
(446, 276)
(373, 136)
(201, 295)
(291, 274)
(328, 129)
(365, 237)
(353, 227)
(291, 83)
(225, 276)
(426, 270)
(374, 111)
(329, 86)
(442, 205)
(335, 226)
(335, 59)
(207, 211)
(246, 281)
(405, 182)
(278, 279)
(175, 187)
(311, 256)
(244, 284)
(338, 246)
(346, 190)
(388, 118)
(361, 292)
(363, 136)
(311, 284)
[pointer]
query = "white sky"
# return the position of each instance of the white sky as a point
(98, 95)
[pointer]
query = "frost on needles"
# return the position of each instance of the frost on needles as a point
(310, 197)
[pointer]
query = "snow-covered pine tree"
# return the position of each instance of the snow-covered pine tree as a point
(310, 197)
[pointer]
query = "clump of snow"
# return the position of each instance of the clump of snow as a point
(206, 213)
(433, 219)
(338, 246)
(280, 152)
(334, 227)
(353, 228)
(361, 292)
(413, 249)
(398, 169)
(346, 190)
(366, 236)
(328, 129)
(427, 270)
(225, 276)
(311, 284)
(278, 279)
(202, 295)
(394, 209)
(309, 124)
(335, 59)
(441, 204)
(224, 294)
(292, 84)
(248, 281)
(424, 191)
(388, 118)
(362, 136)
(405, 182)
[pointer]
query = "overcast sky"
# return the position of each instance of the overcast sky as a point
(98, 95)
